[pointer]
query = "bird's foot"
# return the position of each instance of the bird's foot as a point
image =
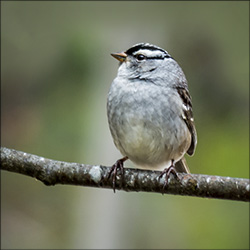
(167, 172)
(114, 168)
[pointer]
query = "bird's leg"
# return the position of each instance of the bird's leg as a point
(167, 171)
(115, 167)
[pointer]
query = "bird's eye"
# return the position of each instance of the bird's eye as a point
(140, 57)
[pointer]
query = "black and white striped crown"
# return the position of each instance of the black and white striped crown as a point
(150, 50)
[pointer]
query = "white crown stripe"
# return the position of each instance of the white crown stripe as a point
(150, 53)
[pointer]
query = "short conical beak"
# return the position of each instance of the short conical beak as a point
(120, 56)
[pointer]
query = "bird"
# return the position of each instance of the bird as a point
(150, 112)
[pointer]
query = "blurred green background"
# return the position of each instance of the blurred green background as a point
(56, 70)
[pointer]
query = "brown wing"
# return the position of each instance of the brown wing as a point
(188, 115)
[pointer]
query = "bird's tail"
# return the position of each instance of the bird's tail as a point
(181, 166)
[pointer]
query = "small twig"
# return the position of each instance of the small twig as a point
(52, 172)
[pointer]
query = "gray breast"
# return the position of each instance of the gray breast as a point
(145, 122)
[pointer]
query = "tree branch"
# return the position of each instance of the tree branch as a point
(52, 172)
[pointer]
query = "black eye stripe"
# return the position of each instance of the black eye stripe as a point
(157, 57)
(160, 58)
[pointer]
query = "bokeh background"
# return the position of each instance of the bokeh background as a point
(56, 70)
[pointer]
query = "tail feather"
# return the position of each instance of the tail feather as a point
(181, 166)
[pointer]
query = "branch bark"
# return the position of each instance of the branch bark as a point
(52, 172)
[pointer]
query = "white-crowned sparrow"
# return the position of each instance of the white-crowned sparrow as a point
(150, 112)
